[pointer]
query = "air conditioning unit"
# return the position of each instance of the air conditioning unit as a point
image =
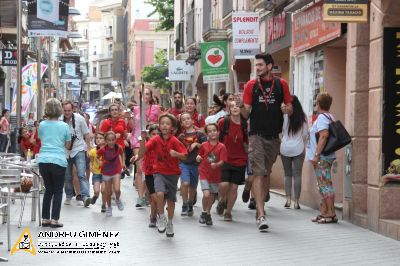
(270, 5)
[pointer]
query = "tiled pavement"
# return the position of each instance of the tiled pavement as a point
(292, 239)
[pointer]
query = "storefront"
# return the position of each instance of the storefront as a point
(319, 64)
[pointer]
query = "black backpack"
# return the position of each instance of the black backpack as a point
(227, 121)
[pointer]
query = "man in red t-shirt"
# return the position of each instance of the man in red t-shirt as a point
(264, 98)
(178, 102)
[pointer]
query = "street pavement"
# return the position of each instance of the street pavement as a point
(291, 240)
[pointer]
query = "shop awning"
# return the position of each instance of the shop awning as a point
(296, 5)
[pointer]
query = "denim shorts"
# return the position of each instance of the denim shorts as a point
(97, 178)
(190, 174)
(212, 187)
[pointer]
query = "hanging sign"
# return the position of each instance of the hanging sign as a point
(245, 34)
(214, 61)
(346, 10)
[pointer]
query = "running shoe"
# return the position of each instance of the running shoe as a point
(120, 205)
(93, 200)
(78, 197)
(140, 204)
(221, 207)
(153, 222)
(170, 229)
(190, 210)
(109, 212)
(227, 217)
(67, 201)
(262, 224)
(86, 201)
(245, 195)
(252, 204)
(202, 218)
(185, 208)
(161, 223)
(103, 208)
(209, 219)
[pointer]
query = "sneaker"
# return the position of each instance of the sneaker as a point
(55, 224)
(208, 219)
(123, 174)
(190, 210)
(161, 223)
(170, 229)
(227, 217)
(109, 212)
(185, 208)
(202, 219)
(93, 200)
(221, 207)
(246, 195)
(120, 205)
(78, 197)
(140, 204)
(87, 201)
(153, 222)
(252, 204)
(146, 200)
(67, 201)
(103, 208)
(262, 224)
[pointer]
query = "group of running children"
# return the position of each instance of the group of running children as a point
(212, 154)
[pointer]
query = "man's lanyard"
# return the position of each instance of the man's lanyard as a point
(266, 98)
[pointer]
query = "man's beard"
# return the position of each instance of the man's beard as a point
(178, 105)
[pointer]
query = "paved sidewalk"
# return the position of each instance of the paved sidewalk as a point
(292, 239)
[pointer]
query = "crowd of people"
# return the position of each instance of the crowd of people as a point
(237, 144)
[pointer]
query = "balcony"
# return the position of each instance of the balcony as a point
(215, 35)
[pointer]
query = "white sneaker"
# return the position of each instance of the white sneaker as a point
(109, 212)
(67, 201)
(170, 229)
(161, 223)
(262, 224)
(120, 205)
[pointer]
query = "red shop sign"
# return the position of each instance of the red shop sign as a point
(276, 27)
(309, 29)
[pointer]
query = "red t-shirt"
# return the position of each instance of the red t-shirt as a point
(248, 92)
(211, 153)
(233, 142)
(26, 144)
(149, 160)
(165, 163)
(196, 120)
(118, 127)
(175, 112)
(111, 163)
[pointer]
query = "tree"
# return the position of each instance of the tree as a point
(155, 74)
(165, 10)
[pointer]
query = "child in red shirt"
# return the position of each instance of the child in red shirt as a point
(148, 169)
(167, 149)
(28, 142)
(112, 164)
(212, 155)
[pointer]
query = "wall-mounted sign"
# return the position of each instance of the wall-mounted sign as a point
(309, 29)
(279, 32)
(8, 57)
(178, 70)
(69, 66)
(214, 61)
(346, 10)
(245, 34)
(391, 96)
(48, 18)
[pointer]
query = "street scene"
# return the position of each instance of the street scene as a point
(176, 132)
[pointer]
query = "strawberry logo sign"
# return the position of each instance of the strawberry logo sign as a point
(215, 57)
(214, 61)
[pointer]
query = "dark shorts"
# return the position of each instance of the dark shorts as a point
(166, 184)
(233, 174)
(150, 183)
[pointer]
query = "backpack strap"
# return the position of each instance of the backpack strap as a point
(225, 129)
(243, 123)
(199, 119)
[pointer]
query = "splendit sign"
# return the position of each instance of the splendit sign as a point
(245, 19)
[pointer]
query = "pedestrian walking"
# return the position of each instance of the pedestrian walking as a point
(4, 130)
(77, 153)
(227, 98)
(169, 150)
(112, 164)
(115, 124)
(95, 169)
(178, 105)
(55, 136)
(292, 150)
(262, 100)
(233, 134)
(212, 155)
(192, 138)
(322, 163)
(190, 108)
